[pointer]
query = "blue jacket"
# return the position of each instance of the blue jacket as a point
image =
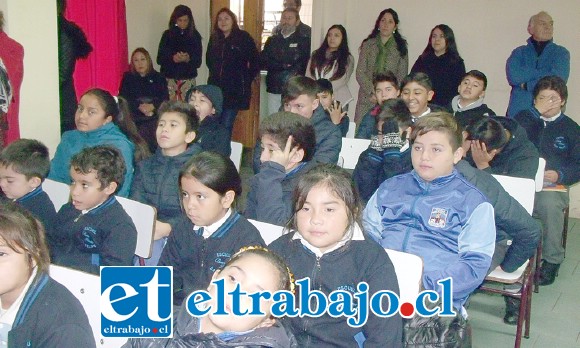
(525, 66)
(448, 222)
(72, 142)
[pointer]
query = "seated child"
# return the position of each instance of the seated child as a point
(389, 153)
(34, 307)
(156, 178)
(433, 212)
(325, 243)
(326, 97)
(417, 91)
(288, 143)
(24, 164)
(386, 87)
(254, 268)
(469, 103)
(557, 138)
(211, 134)
(93, 229)
(213, 231)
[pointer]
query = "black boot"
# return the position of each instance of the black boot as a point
(512, 310)
(548, 273)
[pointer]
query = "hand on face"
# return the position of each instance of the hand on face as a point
(547, 104)
(480, 155)
(283, 157)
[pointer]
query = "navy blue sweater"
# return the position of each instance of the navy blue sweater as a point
(39, 204)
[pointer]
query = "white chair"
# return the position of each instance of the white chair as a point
(540, 175)
(236, 155)
(521, 189)
(86, 288)
(351, 130)
(409, 269)
(143, 217)
(350, 151)
(269, 232)
(58, 192)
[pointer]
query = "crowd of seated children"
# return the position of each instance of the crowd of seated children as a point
(93, 229)
(417, 91)
(213, 231)
(468, 103)
(156, 178)
(324, 241)
(332, 106)
(288, 143)
(386, 87)
(557, 138)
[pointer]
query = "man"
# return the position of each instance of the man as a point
(301, 28)
(540, 57)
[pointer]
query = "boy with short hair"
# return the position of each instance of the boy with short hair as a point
(469, 103)
(386, 87)
(93, 229)
(417, 91)
(325, 95)
(288, 145)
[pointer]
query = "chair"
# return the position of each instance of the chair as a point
(539, 179)
(143, 217)
(86, 288)
(350, 152)
(351, 130)
(409, 269)
(269, 232)
(236, 155)
(58, 192)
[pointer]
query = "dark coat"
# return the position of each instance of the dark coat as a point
(176, 40)
(445, 74)
(213, 136)
(284, 58)
(39, 204)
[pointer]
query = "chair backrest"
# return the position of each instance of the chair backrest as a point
(350, 151)
(409, 269)
(58, 192)
(236, 155)
(86, 288)
(540, 175)
(143, 217)
(522, 190)
(351, 130)
(269, 232)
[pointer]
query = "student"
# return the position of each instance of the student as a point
(325, 242)
(557, 138)
(417, 92)
(253, 268)
(35, 310)
(101, 119)
(24, 165)
(386, 87)
(156, 178)
(207, 101)
(288, 143)
(214, 230)
(469, 103)
(332, 106)
(93, 229)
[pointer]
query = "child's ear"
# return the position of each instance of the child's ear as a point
(34, 182)
(268, 322)
(111, 188)
(430, 95)
(108, 119)
(458, 155)
(298, 156)
(228, 199)
(190, 137)
(482, 95)
(213, 111)
(315, 103)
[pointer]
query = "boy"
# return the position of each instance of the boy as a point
(435, 213)
(93, 229)
(386, 87)
(155, 181)
(417, 91)
(325, 95)
(469, 103)
(288, 143)
(24, 164)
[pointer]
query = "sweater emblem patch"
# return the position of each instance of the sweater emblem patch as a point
(560, 143)
(438, 217)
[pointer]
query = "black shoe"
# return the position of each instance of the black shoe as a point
(548, 273)
(512, 310)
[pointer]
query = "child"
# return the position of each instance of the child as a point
(288, 144)
(326, 244)
(214, 230)
(100, 119)
(417, 92)
(34, 308)
(156, 178)
(211, 135)
(93, 229)
(326, 97)
(557, 138)
(433, 212)
(386, 87)
(389, 153)
(469, 103)
(23, 166)
(253, 268)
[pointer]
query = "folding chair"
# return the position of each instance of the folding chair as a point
(409, 269)
(350, 152)
(236, 155)
(143, 217)
(269, 232)
(351, 130)
(58, 192)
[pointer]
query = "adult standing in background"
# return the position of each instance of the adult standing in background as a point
(233, 61)
(11, 57)
(383, 50)
(179, 53)
(538, 58)
(301, 28)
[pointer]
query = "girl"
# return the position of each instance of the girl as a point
(35, 310)
(326, 244)
(254, 268)
(101, 119)
(213, 230)
(383, 50)
(333, 61)
(145, 89)
(442, 62)
(179, 53)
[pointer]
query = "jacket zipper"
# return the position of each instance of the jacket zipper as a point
(315, 272)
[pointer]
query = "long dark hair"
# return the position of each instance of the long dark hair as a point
(450, 44)
(217, 33)
(341, 55)
(214, 171)
(399, 39)
(180, 11)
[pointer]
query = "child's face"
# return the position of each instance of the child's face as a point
(303, 105)
(202, 105)
(86, 191)
(15, 185)
(470, 89)
(14, 271)
(182, 22)
(438, 42)
(416, 97)
(323, 220)
(433, 156)
(325, 99)
(172, 135)
(90, 115)
(202, 205)
(385, 91)
(550, 94)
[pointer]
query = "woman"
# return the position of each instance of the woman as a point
(233, 62)
(441, 61)
(383, 50)
(333, 61)
(145, 89)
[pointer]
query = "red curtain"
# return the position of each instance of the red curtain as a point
(104, 22)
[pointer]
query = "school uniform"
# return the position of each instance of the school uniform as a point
(39, 204)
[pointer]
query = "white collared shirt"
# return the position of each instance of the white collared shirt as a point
(209, 230)
(356, 234)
